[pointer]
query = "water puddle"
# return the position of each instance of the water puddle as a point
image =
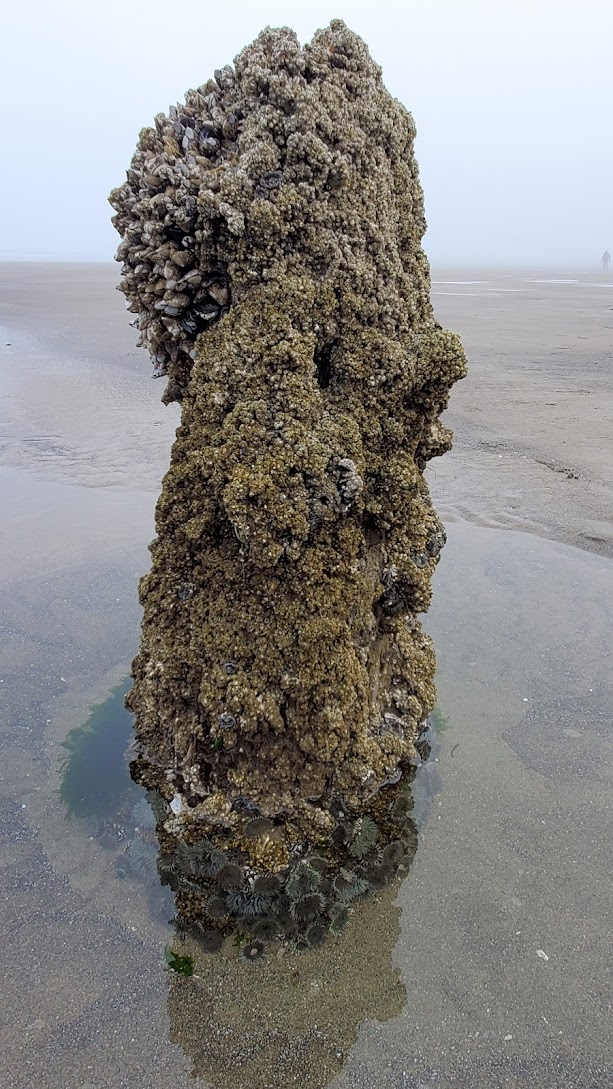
(438, 980)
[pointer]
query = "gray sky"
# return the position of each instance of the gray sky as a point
(512, 100)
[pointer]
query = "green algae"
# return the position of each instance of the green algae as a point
(182, 965)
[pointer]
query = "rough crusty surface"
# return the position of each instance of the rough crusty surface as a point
(272, 232)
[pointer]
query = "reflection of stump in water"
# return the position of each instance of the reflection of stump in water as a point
(271, 242)
(288, 1020)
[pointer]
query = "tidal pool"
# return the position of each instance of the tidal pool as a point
(486, 967)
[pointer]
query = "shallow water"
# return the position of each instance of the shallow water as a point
(487, 967)
(445, 986)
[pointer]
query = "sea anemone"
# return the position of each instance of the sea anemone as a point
(316, 935)
(343, 881)
(210, 941)
(249, 902)
(288, 926)
(302, 879)
(266, 885)
(166, 872)
(265, 929)
(401, 808)
(341, 835)
(253, 950)
(216, 908)
(142, 814)
(157, 804)
(339, 919)
(393, 853)
(380, 875)
(355, 888)
(199, 859)
(317, 863)
(230, 877)
(364, 837)
(307, 907)
(141, 858)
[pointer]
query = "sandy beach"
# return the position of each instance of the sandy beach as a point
(489, 967)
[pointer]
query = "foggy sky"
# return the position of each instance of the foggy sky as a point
(512, 101)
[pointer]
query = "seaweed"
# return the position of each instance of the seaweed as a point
(182, 965)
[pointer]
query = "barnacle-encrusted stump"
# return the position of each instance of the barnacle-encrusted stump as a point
(271, 232)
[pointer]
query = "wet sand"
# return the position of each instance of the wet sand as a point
(514, 860)
(534, 420)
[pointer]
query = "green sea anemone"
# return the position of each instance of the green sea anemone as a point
(253, 950)
(216, 908)
(199, 860)
(265, 929)
(339, 919)
(302, 879)
(364, 837)
(307, 907)
(393, 853)
(354, 889)
(380, 875)
(230, 877)
(266, 885)
(401, 808)
(316, 935)
(142, 858)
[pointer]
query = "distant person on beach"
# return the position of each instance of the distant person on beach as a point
(605, 261)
